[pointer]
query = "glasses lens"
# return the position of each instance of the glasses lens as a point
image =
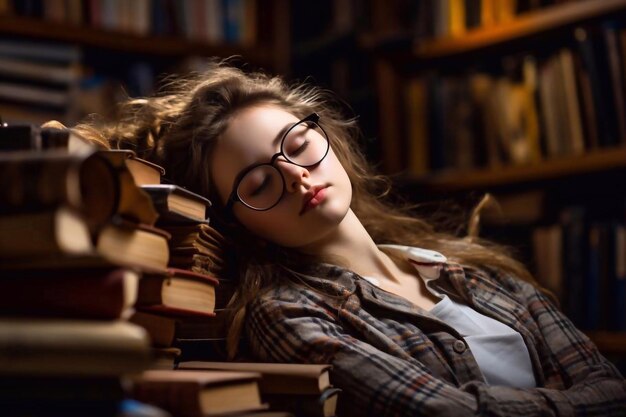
(261, 188)
(305, 144)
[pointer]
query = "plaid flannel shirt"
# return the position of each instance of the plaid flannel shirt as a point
(392, 358)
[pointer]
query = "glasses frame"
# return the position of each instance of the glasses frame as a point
(234, 195)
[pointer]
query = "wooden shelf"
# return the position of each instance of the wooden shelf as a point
(128, 42)
(609, 342)
(529, 24)
(595, 161)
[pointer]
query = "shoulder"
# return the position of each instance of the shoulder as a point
(495, 280)
(291, 300)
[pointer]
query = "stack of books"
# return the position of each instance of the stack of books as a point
(182, 308)
(71, 261)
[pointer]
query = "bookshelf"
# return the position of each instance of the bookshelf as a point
(556, 168)
(121, 48)
(162, 46)
(418, 70)
(524, 26)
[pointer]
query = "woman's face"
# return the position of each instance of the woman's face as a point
(251, 138)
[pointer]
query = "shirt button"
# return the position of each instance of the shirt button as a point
(459, 346)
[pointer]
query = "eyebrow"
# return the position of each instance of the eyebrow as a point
(281, 133)
(275, 142)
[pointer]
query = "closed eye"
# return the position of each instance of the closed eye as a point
(266, 182)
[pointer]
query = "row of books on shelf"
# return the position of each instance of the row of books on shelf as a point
(110, 282)
(582, 260)
(211, 21)
(432, 19)
(533, 108)
(42, 81)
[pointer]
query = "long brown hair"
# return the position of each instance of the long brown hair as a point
(179, 128)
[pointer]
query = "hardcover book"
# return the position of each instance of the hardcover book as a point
(70, 293)
(199, 393)
(176, 204)
(72, 347)
(177, 292)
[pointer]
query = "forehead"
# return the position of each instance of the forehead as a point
(248, 139)
(255, 129)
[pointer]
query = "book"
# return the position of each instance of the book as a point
(73, 293)
(161, 329)
(44, 234)
(177, 292)
(144, 172)
(134, 245)
(167, 330)
(72, 347)
(548, 254)
(197, 247)
(276, 378)
(43, 71)
(165, 358)
(176, 204)
(36, 182)
(322, 405)
(198, 393)
(51, 135)
(134, 204)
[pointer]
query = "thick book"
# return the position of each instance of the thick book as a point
(39, 181)
(72, 347)
(44, 234)
(134, 204)
(61, 238)
(276, 378)
(178, 292)
(134, 245)
(72, 293)
(176, 204)
(199, 393)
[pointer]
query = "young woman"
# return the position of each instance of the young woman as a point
(414, 321)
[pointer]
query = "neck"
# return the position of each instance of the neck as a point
(355, 249)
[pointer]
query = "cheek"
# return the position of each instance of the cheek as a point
(268, 225)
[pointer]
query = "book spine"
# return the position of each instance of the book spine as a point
(73, 295)
(31, 183)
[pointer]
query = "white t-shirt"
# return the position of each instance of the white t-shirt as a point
(499, 350)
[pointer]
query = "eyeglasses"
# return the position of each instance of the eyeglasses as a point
(261, 186)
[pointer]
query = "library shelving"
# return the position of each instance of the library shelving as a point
(118, 48)
(529, 99)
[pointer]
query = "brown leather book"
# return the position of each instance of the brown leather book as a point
(199, 393)
(72, 293)
(129, 244)
(43, 181)
(39, 347)
(178, 292)
(276, 378)
(176, 204)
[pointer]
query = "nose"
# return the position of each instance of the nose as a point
(294, 175)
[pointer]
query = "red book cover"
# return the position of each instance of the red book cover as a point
(78, 293)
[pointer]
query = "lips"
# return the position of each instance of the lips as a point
(309, 196)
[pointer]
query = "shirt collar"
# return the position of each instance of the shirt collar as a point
(428, 263)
